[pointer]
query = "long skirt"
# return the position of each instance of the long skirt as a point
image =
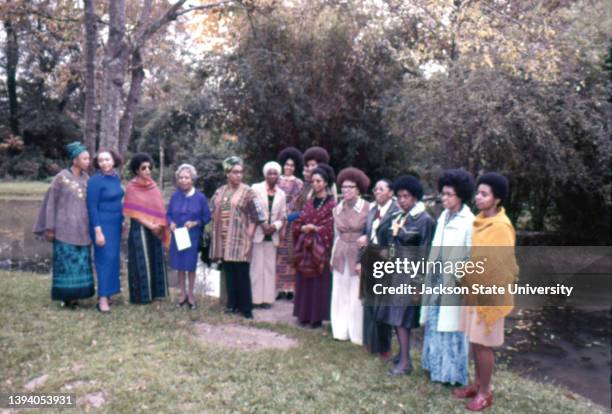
(312, 294)
(285, 272)
(238, 287)
(376, 335)
(107, 257)
(263, 265)
(147, 277)
(346, 307)
(445, 354)
(72, 273)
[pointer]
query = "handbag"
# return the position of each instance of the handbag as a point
(309, 255)
(205, 241)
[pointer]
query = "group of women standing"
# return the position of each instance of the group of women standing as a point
(288, 237)
(79, 211)
(329, 238)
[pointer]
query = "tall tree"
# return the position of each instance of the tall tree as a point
(12, 59)
(124, 55)
(91, 45)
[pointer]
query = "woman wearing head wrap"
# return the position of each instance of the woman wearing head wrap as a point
(188, 208)
(409, 234)
(236, 211)
(144, 205)
(63, 220)
(291, 160)
(267, 235)
(104, 195)
(493, 241)
(445, 349)
(349, 221)
(313, 235)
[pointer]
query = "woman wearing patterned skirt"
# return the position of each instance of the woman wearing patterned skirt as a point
(144, 205)
(291, 160)
(445, 349)
(63, 220)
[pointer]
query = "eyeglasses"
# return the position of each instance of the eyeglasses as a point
(145, 167)
(348, 187)
(448, 194)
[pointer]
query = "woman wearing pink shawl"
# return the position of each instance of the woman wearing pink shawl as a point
(144, 205)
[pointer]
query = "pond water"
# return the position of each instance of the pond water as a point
(20, 249)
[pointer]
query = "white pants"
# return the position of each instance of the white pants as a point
(346, 307)
(263, 273)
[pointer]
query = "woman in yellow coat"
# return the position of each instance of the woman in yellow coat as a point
(493, 238)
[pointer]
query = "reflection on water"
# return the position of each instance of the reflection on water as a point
(19, 248)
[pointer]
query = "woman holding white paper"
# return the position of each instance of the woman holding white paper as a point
(187, 212)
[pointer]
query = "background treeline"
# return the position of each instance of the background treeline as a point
(392, 87)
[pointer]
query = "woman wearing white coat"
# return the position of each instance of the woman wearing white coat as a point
(445, 348)
(267, 236)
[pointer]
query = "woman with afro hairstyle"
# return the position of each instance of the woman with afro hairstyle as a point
(313, 233)
(350, 217)
(482, 321)
(445, 349)
(409, 234)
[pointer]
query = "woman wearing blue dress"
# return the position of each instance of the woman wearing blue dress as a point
(445, 348)
(104, 204)
(188, 208)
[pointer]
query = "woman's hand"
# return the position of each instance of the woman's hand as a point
(173, 226)
(358, 269)
(362, 241)
(100, 239)
(307, 228)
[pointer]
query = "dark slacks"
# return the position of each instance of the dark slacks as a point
(238, 286)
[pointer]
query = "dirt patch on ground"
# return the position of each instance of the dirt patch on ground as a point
(93, 400)
(242, 337)
(280, 312)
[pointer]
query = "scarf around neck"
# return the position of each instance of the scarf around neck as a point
(144, 201)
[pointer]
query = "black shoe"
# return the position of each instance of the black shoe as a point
(315, 325)
(265, 306)
(192, 306)
(100, 310)
(180, 304)
(289, 296)
(248, 315)
(281, 295)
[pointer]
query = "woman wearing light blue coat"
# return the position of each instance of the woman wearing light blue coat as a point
(445, 348)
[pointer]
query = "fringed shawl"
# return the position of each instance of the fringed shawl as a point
(145, 202)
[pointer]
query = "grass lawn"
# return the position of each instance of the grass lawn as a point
(146, 359)
(23, 189)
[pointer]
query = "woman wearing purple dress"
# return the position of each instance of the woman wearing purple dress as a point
(188, 208)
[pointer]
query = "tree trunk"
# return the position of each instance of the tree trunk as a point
(12, 59)
(113, 76)
(127, 120)
(91, 34)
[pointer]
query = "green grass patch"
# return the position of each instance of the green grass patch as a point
(147, 360)
(23, 189)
